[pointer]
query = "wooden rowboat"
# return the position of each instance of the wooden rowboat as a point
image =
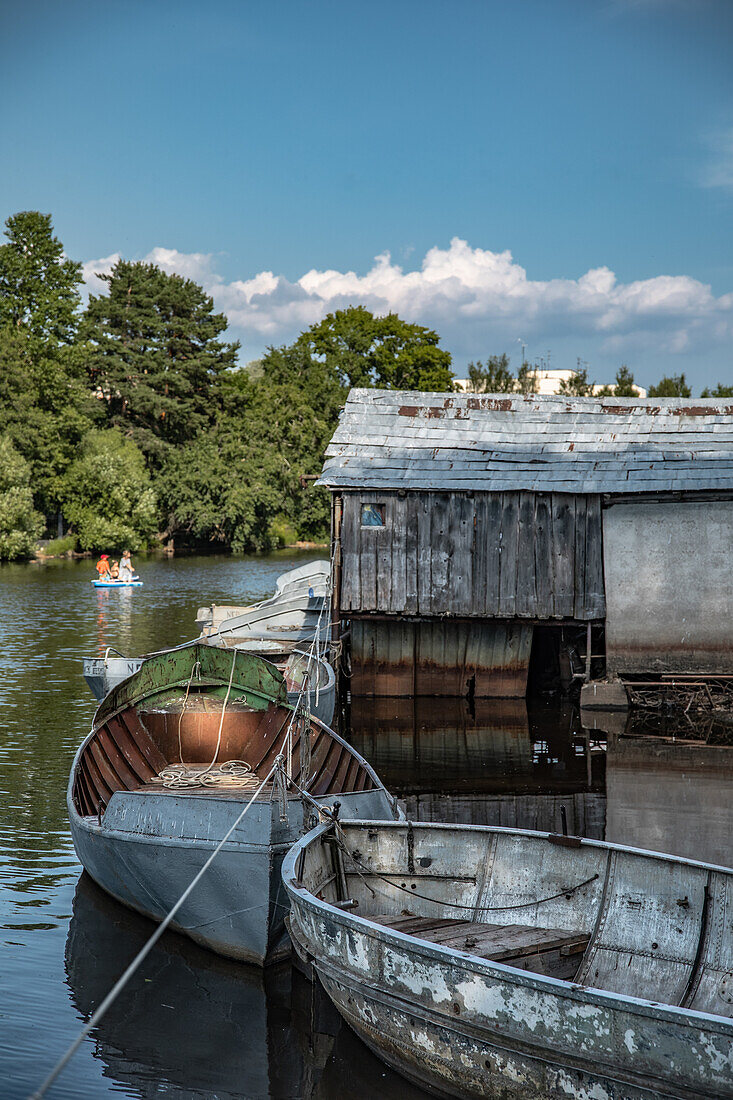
(494, 962)
(143, 841)
(104, 673)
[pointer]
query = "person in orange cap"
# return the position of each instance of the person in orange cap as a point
(103, 567)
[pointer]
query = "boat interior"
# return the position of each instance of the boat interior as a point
(196, 725)
(628, 922)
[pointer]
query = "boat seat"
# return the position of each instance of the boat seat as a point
(552, 951)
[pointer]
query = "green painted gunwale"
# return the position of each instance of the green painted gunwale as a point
(255, 680)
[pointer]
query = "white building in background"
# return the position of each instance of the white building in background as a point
(548, 382)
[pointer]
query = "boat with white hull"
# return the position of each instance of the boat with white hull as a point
(483, 961)
(293, 615)
(175, 753)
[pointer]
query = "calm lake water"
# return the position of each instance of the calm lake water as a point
(190, 1024)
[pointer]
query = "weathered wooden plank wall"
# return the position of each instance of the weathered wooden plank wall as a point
(405, 657)
(482, 555)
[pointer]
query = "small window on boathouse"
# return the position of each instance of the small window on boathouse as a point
(372, 515)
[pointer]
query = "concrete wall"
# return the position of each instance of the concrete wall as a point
(669, 586)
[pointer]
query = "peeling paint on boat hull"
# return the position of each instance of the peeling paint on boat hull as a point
(463, 1026)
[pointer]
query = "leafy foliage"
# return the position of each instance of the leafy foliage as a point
(109, 497)
(719, 391)
(364, 350)
(155, 355)
(39, 286)
(674, 386)
(20, 524)
(577, 385)
(241, 487)
(625, 383)
(46, 408)
(495, 376)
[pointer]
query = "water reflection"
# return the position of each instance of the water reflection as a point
(496, 762)
(231, 1032)
(192, 1025)
(671, 796)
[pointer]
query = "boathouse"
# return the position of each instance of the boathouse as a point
(476, 537)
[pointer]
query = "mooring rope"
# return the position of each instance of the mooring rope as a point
(147, 947)
(233, 772)
(567, 891)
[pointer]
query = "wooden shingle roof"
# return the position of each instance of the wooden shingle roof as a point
(394, 439)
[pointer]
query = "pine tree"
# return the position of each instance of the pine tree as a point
(674, 386)
(156, 355)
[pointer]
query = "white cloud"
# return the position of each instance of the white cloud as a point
(476, 299)
(92, 268)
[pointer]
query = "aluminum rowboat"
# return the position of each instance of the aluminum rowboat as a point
(496, 962)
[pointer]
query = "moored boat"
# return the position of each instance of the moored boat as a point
(175, 753)
(482, 961)
(104, 673)
(296, 612)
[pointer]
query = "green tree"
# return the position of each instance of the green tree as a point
(245, 480)
(39, 285)
(20, 524)
(625, 383)
(44, 401)
(674, 386)
(45, 407)
(577, 385)
(719, 391)
(527, 379)
(387, 352)
(109, 498)
(156, 355)
(495, 376)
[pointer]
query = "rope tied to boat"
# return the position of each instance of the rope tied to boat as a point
(565, 892)
(122, 981)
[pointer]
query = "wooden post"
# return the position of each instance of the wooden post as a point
(336, 517)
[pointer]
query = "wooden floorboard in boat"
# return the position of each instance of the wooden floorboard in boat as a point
(498, 942)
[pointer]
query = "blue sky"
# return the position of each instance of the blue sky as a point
(558, 172)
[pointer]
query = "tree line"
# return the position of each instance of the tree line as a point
(128, 421)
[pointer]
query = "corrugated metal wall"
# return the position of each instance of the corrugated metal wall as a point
(444, 657)
(483, 555)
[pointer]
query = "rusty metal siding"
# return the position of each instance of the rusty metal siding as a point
(477, 555)
(429, 441)
(402, 657)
